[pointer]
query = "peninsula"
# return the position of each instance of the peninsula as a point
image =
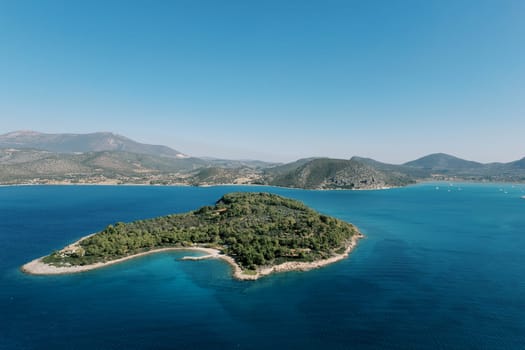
(257, 233)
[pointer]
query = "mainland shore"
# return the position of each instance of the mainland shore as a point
(38, 267)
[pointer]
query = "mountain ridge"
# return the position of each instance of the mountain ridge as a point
(90, 142)
(104, 157)
(440, 161)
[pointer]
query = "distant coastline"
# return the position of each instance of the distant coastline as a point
(203, 186)
(38, 267)
(429, 181)
(105, 158)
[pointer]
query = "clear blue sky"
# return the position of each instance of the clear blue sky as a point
(273, 80)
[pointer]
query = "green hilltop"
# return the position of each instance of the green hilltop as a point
(255, 229)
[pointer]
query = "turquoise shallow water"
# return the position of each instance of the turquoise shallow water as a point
(440, 269)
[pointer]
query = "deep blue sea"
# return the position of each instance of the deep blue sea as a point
(439, 269)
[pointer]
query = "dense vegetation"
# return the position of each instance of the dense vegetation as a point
(254, 228)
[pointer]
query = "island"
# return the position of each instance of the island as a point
(257, 233)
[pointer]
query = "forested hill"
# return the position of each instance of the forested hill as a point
(256, 229)
(327, 173)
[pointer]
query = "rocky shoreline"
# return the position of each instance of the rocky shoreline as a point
(38, 267)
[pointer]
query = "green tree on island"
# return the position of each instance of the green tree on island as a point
(255, 229)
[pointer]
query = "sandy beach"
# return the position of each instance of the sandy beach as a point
(38, 267)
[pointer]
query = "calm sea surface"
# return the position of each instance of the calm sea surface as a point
(440, 269)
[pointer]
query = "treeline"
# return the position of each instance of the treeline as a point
(254, 228)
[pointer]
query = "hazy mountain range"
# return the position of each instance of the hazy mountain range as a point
(103, 157)
(80, 143)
